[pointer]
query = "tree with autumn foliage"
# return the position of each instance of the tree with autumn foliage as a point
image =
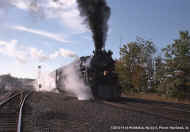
(134, 68)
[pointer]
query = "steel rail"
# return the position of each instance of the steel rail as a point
(136, 108)
(9, 98)
(5, 101)
(163, 106)
(19, 125)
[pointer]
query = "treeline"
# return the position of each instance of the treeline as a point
(141, 70)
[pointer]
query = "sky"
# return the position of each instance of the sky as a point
(54, 34)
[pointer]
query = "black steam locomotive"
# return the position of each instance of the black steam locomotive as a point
(97, 72)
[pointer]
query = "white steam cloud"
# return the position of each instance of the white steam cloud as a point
(46, 81)
(71, 82)
(74, 84)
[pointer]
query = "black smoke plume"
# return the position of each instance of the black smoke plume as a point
(96, 14)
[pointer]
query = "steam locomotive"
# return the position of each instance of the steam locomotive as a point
(97, 71)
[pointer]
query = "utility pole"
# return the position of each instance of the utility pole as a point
(39, 77)
(120, 42)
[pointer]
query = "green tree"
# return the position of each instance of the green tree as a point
(177, 69)
(159, 72)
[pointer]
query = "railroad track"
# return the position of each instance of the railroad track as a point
(166, 105)
(163, 111)
(11, 109)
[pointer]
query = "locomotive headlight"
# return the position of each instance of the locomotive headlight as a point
(105, 73)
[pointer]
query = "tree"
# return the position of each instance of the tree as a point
(159, 70)
(177, 70)
(135, 65)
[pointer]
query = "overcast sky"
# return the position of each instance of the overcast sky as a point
(53, 34)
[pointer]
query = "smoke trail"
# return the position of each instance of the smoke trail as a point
(96, 14)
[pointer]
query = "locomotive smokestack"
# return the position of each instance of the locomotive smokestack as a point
(96, 14)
